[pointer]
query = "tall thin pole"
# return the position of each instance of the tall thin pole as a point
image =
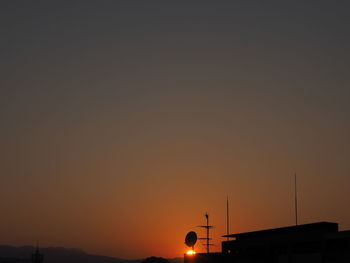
(207, 217)
(227, 219)
(296, 199)
(207, 227)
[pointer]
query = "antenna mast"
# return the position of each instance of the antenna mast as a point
(207, 217)
(207, 227)
(227, 219)
(296, 199)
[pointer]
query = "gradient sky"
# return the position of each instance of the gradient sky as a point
(123, 122)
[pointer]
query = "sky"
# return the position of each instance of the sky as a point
(123, 122)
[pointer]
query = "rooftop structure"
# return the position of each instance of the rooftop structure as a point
(316, 242)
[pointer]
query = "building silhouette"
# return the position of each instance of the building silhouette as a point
(316, 242)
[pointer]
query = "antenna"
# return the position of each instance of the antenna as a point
(227, 219)
(296, 199)
(207, 217)
(207, 227)
(37, 257)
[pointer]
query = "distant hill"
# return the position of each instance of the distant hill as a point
(176, 260)
(11, 254)
(155, 260)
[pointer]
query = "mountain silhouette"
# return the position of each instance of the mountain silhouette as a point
(11, 254)
(155, 260)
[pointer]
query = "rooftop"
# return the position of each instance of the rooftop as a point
(319, 227)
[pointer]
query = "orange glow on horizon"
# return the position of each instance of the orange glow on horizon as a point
(190, 252)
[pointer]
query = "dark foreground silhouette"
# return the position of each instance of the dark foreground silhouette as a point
(319, 242)
(155, 260)
(11, 254)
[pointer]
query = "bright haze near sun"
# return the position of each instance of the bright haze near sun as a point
(123, 122)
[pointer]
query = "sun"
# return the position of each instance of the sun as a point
(190, 252)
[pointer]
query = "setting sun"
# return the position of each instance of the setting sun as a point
(191, 252)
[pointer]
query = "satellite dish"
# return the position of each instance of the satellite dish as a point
(191, 239)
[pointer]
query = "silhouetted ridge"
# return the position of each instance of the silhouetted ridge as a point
(11, 254)
(55, 255)
(155, 260)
